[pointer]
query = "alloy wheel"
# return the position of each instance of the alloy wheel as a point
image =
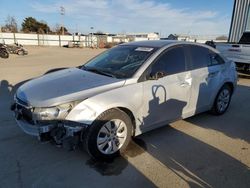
(111, 136)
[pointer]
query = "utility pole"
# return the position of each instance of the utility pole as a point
(92, 28)
(62, 12)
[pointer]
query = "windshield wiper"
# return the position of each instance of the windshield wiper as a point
(98, 71)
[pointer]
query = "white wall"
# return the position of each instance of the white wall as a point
(8, 38)
(26, 39)
(45, 40)
(61, 40)
(140, 39)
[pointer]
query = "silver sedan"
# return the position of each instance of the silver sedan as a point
(124, 92)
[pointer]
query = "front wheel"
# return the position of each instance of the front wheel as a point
(222, 100)
(108, 135)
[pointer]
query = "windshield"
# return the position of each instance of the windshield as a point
(119, 62)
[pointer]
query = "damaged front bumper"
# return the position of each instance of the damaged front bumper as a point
(55, 129)
(33, 130)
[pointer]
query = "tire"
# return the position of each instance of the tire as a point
(20, 52)
(108, 135)
(4, 54)
(222, 100)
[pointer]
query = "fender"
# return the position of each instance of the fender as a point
(88, 110)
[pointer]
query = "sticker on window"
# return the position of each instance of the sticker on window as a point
(144, 49)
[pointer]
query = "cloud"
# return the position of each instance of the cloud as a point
(138, 16)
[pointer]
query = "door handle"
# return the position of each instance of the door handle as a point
(184, 84)
(188, 81)
(213, 74)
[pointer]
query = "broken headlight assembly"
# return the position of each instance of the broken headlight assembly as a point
(53, 113)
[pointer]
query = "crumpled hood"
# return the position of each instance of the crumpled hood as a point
(65, 86)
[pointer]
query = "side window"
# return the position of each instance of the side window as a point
(171, 62)
(215, 59)
(199, 57)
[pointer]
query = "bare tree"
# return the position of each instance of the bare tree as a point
(60, 30)
(56, 28)
(10, 25)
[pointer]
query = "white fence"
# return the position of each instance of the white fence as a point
(47, 40)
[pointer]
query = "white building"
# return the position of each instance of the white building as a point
(143, 36)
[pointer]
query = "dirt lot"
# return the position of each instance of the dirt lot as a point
(202, 151)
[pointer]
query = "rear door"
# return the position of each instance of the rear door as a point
(205, 67)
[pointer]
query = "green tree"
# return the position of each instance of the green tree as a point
(31, 25)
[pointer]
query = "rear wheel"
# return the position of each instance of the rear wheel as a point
(4, 54)
(222, 100)
(20, 52)
(109, 135)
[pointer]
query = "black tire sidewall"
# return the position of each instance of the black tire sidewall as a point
(215, 109)
(90, 137)
(20, 52)
(4, 54)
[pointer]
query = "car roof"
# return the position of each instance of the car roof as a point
(163, 43)
(151, 43)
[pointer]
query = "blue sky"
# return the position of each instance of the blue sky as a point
(202, 17)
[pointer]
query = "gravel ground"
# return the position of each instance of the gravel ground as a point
(202, 151)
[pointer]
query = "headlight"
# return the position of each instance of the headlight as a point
(53, 113)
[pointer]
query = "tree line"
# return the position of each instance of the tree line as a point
(31, 25)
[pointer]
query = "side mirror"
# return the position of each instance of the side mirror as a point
(156, 76)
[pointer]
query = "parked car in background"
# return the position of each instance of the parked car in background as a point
(124, 92)
(237, 52)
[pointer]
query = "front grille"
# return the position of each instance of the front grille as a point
(25, 113)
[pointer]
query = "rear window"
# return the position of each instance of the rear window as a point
(215, 59)
(199, 56)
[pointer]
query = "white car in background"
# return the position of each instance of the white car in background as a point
(124, 92)
(237, 52)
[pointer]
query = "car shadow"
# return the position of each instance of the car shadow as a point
(196, 162)
(116, 166)
(6, 98)
(236, 127)
(7, 92)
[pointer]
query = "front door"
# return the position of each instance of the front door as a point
(167, 90)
